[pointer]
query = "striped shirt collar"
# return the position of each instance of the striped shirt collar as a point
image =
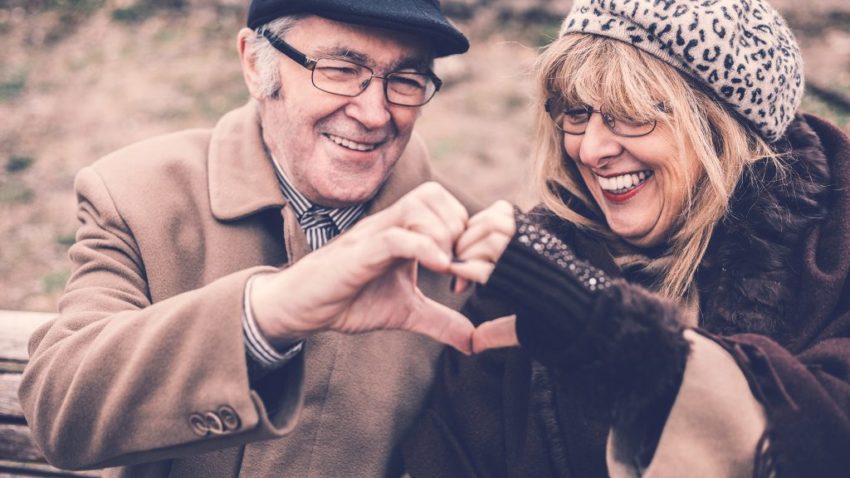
(343, 217)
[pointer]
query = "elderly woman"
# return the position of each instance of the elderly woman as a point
(681, 298)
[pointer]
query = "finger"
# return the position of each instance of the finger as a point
(498, 219)
(461, 285)
(500, 212)
(474, 270)
(428, 209)
(397, 243)
(393, 216)
(494, 334)
(429, 225)
(442, 324)
(472, 235)
(489, 248)
(417, 216)
(447, 218)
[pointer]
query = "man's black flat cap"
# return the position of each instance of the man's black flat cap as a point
(422, 17)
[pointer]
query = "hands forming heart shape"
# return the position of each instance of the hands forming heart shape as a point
(365, 280)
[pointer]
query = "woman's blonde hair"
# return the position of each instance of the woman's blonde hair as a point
(628, 82)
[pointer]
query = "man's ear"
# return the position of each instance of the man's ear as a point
(249, 63)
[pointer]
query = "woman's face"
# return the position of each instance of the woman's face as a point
(640, 184)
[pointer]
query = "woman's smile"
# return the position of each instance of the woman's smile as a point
(622, 187)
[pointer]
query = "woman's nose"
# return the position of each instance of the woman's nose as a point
(598, 143)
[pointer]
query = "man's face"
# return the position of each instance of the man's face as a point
(338, 150)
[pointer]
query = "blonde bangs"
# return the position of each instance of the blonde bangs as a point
(610, 74)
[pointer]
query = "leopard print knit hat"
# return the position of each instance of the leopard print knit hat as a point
(741, 50)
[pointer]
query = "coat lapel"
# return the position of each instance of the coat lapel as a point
(242, 180)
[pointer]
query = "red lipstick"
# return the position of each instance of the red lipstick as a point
(621, 198)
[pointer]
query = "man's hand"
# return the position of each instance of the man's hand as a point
(366, 279)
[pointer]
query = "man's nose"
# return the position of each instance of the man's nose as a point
(370, 107)
(598, 144)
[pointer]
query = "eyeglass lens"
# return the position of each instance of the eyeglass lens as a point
(574, 120)
(346, 78)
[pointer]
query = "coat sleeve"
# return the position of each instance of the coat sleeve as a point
(118, 380)
(806, 397)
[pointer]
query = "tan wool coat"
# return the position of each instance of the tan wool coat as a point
(149, 336)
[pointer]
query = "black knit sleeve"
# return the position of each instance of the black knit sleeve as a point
(547, 282)
(621, 343)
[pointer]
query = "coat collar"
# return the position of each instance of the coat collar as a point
(242, 180)
(750, 279)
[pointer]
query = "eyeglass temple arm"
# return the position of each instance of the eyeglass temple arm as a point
(438, 83)
(283, 47)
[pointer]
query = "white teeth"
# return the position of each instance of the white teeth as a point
(347, 143)
(624, 182)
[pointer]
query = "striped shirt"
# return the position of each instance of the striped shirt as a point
(320, 225)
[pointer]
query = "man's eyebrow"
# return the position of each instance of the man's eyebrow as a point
(342, 53)
(415, 62)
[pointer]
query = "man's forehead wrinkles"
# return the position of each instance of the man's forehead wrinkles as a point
(343, 52)
(338, 51)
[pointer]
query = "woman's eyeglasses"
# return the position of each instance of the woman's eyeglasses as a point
(573, 119)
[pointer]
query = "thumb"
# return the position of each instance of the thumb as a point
(443, 324)
(494, 334)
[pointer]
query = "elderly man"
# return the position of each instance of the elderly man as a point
(203, 331)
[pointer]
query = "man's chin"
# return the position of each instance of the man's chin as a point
(344, 195)
(346, 183)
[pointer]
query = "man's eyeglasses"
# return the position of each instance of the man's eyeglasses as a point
(573, 119)
(346, 78)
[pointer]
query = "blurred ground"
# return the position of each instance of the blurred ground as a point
(80, 78)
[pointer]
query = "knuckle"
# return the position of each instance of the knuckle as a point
(509, 226)
(408, 202)
(456, 228)
(503, 206)
(390, 237)
(431, 189)
(463, 214)
(442, 236)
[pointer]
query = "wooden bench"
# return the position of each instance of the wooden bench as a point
(19, 456)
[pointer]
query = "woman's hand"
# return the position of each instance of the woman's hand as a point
(487, 235)
(494, 334)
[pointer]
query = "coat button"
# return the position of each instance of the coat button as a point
(214, 423)
(198, 424)
(228, 417)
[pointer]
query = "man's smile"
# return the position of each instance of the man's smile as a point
(353, 145)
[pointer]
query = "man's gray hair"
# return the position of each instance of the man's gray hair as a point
(266, 56)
